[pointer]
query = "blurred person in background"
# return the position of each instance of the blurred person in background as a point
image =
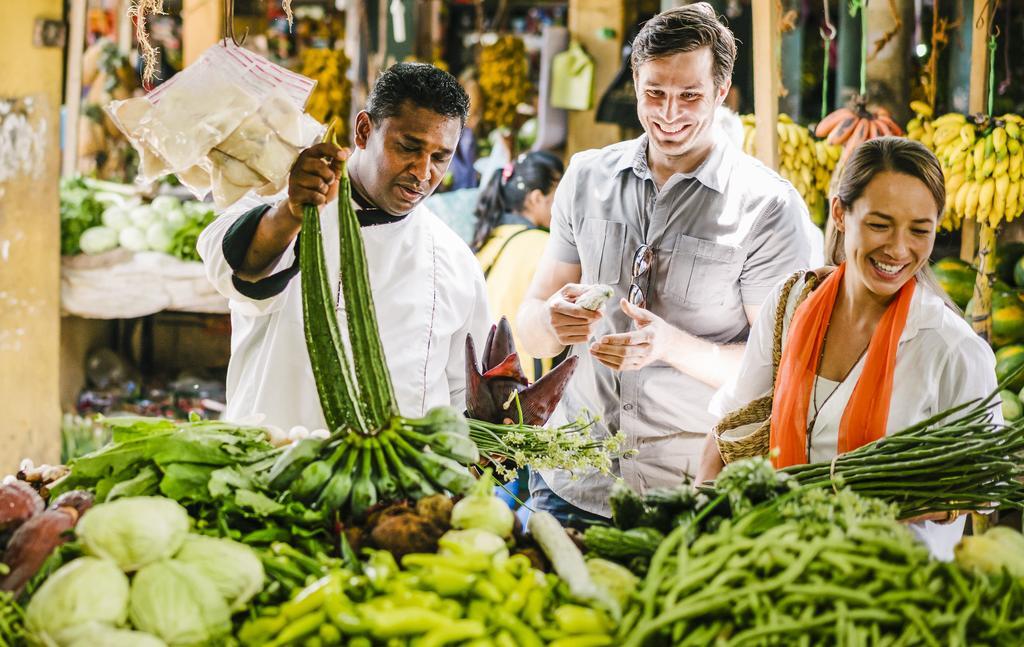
(513, 217)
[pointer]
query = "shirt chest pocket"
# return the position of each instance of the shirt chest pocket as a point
(702, 272)
(600, 244)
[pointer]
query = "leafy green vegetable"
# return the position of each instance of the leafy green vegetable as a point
(91, 634)
(178, 603)
(234, 568)
(85, 590)
(135, 531)
(79, 210)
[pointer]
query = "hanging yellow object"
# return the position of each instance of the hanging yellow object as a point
(572, 79)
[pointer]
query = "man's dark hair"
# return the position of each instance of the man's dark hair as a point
(685, 29)
(421, 84)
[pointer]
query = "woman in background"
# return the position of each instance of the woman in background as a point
(513, 215)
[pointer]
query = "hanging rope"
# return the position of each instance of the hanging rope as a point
(889, 35)
(992, 70)
(1005, 85)
(828, 34)
(861, 6)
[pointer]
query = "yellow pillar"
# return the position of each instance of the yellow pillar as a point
(29, 239)
(766, 52)
(598, 25)
(202, 25)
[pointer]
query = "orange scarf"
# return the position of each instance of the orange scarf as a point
(867, 412)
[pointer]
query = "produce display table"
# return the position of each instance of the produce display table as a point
(121, 285)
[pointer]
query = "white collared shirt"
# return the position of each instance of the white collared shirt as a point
(428, 291)
(940, 363)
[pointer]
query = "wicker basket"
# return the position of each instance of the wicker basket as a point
(745, 432)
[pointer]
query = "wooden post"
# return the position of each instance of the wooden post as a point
(982, 319)
(202, 25)
(977, 102)
(124, 28)
(767, 41)
(29, 231)
(73, 88)
(981, 21)
(587, 21)
(889, 69)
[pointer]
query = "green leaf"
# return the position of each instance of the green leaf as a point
(186, 482)
(145, 482)
(258, 503)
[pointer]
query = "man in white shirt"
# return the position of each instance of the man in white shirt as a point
(427, 287)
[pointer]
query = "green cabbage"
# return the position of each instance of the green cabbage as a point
(84, 590)
(233, 567)
(175, 601)
(132, 239)
(96, 240)
(92, 634)
(134, 531)
(158, 237)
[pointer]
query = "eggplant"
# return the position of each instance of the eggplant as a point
(33, 542)
(18, 502)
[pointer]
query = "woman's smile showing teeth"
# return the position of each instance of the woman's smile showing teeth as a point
(885, 269)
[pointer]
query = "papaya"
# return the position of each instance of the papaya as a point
(1012, 407)
(1018, 272)
(1007, 316)
(957, 278)
(1007, 257)
(1009, 359)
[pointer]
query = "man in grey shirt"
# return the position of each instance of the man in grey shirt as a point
(691, 234)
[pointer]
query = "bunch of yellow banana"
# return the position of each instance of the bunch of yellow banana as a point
(921, 128)
(803, 160)
(332, 97)
(982, 161)
(504, 79)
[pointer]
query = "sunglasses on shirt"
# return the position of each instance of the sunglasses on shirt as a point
(643, 262)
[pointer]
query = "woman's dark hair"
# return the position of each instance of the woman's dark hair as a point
(421, 84)
(506, 191)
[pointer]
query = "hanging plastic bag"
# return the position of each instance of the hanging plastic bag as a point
(572, 79)
(230, 123)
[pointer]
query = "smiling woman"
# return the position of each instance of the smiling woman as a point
(872, 345)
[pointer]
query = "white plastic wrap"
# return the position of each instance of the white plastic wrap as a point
(231, 123)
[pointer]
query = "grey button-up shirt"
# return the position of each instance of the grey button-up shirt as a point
(723, 235)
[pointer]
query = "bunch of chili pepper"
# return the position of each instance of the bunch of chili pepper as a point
(433, 600)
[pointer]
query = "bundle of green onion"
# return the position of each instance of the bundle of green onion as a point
(958, 459)
(570, 447)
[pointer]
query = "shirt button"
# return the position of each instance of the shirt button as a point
(627, 407)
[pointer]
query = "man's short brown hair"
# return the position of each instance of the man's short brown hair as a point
(685, 29)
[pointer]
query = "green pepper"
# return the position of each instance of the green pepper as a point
(479, 609)
(488, 591)
(447, 581)
(342, 613)
(574, 619)
(360, 641)
(523, 635)
(451, 608)
(309, 599)
(261, 630)
(380, 568)
(298, 629)
(504, 639)
(313, 642)
(533, 611)
(403, 621)
(516, 600)
(329, 634)
(453, 632)
(583, 640)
